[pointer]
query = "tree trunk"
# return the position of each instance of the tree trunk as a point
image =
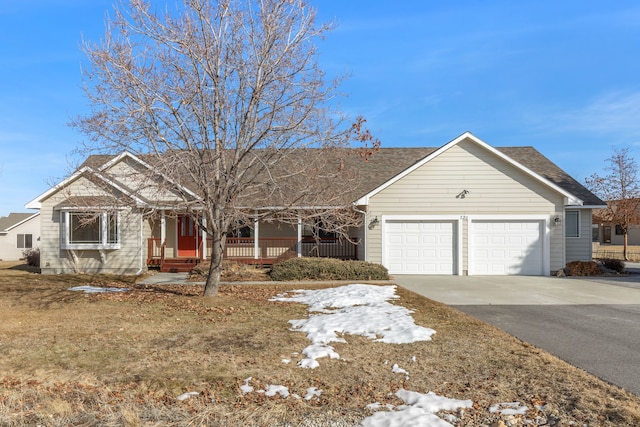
(215, 269)
(624, 248)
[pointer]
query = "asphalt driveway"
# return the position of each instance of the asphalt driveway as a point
(591, 323)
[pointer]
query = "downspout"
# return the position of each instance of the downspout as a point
(203, 236)
(141, 269)
(299, 245)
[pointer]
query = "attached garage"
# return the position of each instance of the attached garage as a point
(506, 247)
(420, 246)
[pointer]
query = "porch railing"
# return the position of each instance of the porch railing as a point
(269, 249)
(155, 252)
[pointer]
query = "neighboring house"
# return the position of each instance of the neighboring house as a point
(462, 208)
(19, 232)
(608, 233)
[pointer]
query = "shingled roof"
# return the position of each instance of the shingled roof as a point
(8, 222)
(386, 163)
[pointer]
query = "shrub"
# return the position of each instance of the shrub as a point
(583, 268)
(613, 264)
(32, 256)
(327, 269)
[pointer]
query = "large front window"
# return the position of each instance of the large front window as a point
(84, 230)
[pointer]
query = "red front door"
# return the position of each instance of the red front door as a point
(188, 237)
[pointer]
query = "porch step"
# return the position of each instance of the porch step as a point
(178, 265)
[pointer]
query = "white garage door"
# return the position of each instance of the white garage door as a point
(420, 247)
(507, 247)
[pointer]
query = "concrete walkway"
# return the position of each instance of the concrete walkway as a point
(166, 279)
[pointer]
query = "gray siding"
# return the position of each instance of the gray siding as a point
(580, 248)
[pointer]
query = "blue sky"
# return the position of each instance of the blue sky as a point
(562, 76)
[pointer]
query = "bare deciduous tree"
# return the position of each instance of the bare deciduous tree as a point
(620, 188)
(225, 98)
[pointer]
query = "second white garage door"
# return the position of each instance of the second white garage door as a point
(507, 247)
(420, 247)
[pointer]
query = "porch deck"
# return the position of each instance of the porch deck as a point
(264, 251)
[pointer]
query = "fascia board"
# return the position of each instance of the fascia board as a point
(23, 221)
(569, 198)
(585, 206)
(37, 202)
(135, 158)
(118, 187)
(364, 200)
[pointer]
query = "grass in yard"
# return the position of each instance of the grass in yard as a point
(68, 358)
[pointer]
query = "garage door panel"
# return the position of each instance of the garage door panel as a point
(507, 247)
(420, 247)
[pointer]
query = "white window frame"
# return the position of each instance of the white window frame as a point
(566, 223)
(104, 240)
(22, 241)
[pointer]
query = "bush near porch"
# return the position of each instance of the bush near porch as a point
(305, 268)
(327, 269)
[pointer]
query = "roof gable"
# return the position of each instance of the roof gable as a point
(98, 166)
(37, 202)
(570, 198)
(15, 219)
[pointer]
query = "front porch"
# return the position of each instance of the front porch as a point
(249, 250)
(178, 243)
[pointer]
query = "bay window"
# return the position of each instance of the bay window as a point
(89, 230)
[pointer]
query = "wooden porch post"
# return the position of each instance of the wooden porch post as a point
(204, 236)
(163, 227)
(256, 238)
(299, 237)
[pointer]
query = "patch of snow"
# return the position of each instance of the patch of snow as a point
(352, 309)
(285, 361)
(185, 396)
(377, 406)
(308, 363)
(312, 392)
(246, 388)
(95, 289)
(509, 408)
(420, 410)
(272, 390)
(398, 370)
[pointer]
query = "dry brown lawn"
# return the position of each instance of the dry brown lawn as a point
(121, 359)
